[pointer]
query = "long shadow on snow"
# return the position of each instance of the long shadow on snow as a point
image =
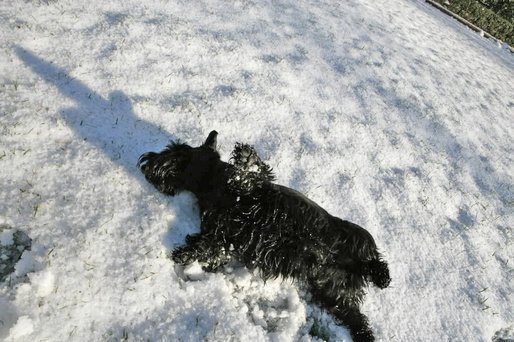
(111, 125)
(106, 123)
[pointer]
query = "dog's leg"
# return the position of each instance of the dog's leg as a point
(198, 247)
(356, 322)
(203, 248)
(335, 290)
(351, 317)
(245, 158)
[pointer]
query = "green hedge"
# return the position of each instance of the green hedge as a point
(504, 8)
(482, 17)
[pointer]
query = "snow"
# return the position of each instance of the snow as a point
(44, 282)
(389, 115)
(24, 326)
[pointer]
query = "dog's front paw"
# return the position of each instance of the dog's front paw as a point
(211, 267)
(193, 238)
(216, 262)
(183, 255)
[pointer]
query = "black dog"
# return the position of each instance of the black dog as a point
(269, 227)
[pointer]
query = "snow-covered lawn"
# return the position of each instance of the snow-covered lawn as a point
(388, 114)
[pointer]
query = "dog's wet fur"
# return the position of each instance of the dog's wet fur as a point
(270, 227)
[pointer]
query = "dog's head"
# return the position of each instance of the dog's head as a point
(182, 167)
(199, 170)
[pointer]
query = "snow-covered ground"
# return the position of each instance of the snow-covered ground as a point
(388, 114)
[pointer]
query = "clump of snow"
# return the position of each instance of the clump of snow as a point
(395, 117)
(30, 261)
(23, 327)
(44, 282)
(8, 316)
(194, 271)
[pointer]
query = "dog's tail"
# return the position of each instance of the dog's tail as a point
(369, 262)
(378, 272)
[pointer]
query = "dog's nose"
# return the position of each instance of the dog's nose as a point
(211, 140)
(144, 159)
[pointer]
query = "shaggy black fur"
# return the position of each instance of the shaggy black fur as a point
(270, 227)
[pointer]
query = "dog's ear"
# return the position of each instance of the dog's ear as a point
(211, 140)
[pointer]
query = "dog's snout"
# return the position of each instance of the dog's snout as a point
(143, 161)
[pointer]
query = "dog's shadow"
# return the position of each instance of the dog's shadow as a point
(111, 125)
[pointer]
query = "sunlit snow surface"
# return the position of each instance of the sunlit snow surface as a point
(388, 114)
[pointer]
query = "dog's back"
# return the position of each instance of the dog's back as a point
(304, 237)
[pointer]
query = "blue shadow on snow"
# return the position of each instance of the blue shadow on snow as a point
(109, 124)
